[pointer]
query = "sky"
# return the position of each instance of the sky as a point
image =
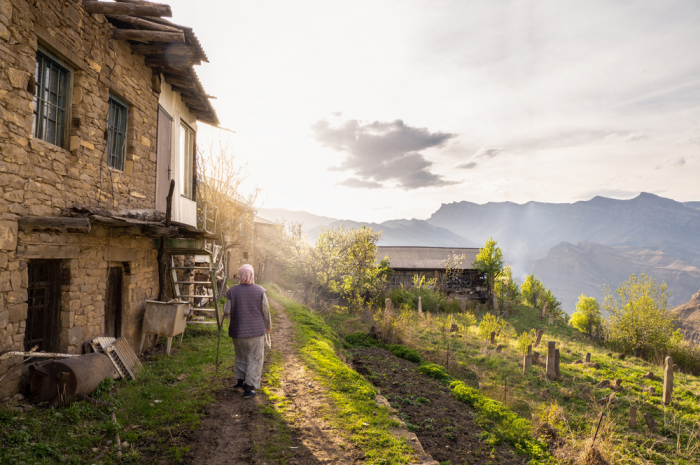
(382, 109)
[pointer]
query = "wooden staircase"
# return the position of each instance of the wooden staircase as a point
(202, 260)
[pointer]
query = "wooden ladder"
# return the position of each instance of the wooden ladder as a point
(210, 284)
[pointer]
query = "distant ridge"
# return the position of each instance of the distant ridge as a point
(573, 247)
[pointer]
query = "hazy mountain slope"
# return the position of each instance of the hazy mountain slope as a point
(689, 314)
(695, 205)
(570, 270)
(527, 232)
(309, 220)
(406, 232)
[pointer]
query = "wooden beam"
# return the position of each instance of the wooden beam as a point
(186, 91)
(131, 9)
(174, 80)
(172, 49)
(30, 223)
(175, 61)
(55, 251)
(149, 25)
(176, 73)
(149, 36)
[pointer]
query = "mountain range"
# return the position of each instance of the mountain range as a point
(573, 248)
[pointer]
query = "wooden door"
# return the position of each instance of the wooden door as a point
(113, 303)
(44, 303)
(163, 152)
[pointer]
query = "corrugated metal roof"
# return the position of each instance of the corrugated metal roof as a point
(425, 258)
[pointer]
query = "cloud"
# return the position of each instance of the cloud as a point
(360, 184)
(482, 153)
(678, 161)
(487, 152)
(467, 165)
(383, 151)
(636, 137)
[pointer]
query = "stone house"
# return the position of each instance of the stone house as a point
(249, 244)
(408, 262)
(99, 105)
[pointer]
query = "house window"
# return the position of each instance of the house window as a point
(117, 118)
(186, 161)
(245, 255)
(51, 99)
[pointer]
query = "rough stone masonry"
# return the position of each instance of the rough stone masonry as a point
(38, 178)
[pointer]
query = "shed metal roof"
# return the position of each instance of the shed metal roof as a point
(425, 258)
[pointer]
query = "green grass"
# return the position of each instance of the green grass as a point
(562, 403)
(151, 411)
(353, 411)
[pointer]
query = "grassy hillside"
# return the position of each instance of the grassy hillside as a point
(564, 412)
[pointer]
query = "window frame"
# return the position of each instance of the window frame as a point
(114, 161)
(40, 131)
(187, 188)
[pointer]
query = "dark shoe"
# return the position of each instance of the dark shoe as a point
(240, 384)
(249, 394)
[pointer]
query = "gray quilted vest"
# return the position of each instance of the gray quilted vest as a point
(246, 311)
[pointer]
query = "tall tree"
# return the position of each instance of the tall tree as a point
(587, 318)
(489, 260)
(639, 320)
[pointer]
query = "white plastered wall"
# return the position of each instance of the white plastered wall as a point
(184, 209)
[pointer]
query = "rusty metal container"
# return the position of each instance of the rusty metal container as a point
(61, 381)
(165, 319)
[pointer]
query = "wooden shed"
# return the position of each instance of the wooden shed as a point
(408, 262)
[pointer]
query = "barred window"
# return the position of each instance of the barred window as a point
(51, 99)
(116, 132)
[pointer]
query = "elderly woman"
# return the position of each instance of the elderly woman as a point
(250, 321)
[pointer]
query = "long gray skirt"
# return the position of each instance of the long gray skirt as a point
(250, 354)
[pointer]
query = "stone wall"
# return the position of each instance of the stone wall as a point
(38, 178)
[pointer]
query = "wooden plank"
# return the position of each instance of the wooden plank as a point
(149, 25)
(174, 61)
(149, 36)
(171, 49)
(132, 9)
(178, 81)
(30, 223)
(49, 251)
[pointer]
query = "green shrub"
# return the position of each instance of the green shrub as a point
(406, 353)
(401, 296)
(434, 371)
(490, 323)
(451, 306)
(360, 340)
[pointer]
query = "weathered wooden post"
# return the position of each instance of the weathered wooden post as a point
(668, 381)
(544, 310)
(527, 360)
(539, 337)
(632, 420)
(651, 423)
(551, 347)
(588, 357)
(420, 305)
(557, 373)
(493, 337)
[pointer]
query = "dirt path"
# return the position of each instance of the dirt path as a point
(244, 431)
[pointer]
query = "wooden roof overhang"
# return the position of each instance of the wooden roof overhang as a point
(82, 219)
(169, 49)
